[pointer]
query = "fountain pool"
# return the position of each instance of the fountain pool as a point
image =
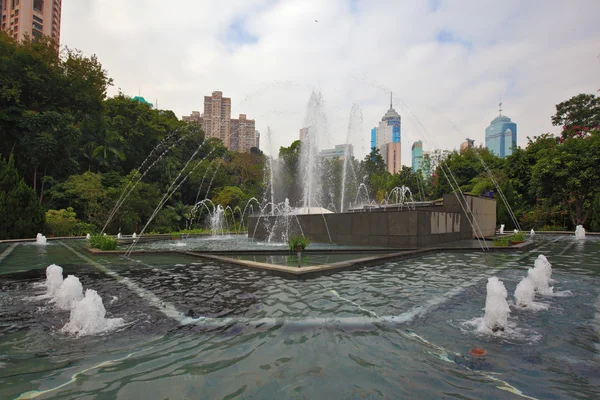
(198, 329)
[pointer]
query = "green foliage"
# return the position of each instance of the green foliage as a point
(580, 113)
(102, 242)
(501, 241)
(65, 223)
(518, 237)
(295, 241)
(21, 215)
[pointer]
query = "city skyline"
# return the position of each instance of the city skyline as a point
(447, 76)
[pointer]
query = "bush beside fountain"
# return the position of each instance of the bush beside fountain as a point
(102, 242)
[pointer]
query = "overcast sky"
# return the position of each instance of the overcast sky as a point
(448, 63)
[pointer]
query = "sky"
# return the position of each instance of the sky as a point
(447, 63)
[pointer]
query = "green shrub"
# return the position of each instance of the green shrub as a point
(501, 242)
(102, 242)
(65, 223)
(518, 237)
(294, 241)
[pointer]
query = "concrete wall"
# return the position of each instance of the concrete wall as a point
(405, 228)
(483, 211)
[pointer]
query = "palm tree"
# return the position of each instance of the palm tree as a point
(109, 148)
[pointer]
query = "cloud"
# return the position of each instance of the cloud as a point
(448, 63)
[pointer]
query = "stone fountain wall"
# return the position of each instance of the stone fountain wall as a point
(425, 226)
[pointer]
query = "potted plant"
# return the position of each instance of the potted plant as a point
(517, 238)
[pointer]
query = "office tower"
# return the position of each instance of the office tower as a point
(501, 135)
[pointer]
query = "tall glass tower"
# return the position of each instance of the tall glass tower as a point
(501, 135)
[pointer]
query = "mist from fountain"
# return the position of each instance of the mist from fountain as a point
(315, 121)
(355, 130)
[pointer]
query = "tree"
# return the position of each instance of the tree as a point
(20, 212)
(579, 114)
(568, 172)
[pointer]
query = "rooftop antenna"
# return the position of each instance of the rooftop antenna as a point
(500, 108)
(391, 100)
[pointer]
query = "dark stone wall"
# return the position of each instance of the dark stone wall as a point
(427, 226)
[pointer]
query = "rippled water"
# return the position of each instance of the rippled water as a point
(226, 242)
(398, 330)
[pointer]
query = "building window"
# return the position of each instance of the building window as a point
(37, 26)
(38, 5)
(38, 19)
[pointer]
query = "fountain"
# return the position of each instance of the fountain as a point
(54, 279)
(40, 239)
(88, 236)
(133, 235)
(88, 316)
(525, 292)
(502, 229)
(532, 233)
(541, 275)
(69, 293)
(515, 231)
(496, 306)
(580, 232)
(119, 235)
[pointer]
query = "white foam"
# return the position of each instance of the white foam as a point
(54, 278)
(541, 275)
(179, 244)
(525, 292)
(69, 293)
(496, 306)
(88, 316)
(40, 239)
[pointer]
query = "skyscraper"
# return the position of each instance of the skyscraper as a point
(243, 134)
(236, 134)
(32, 18)
(420, 159)
(217, 117)
(501, 135)
(417, 155)
(388, 140)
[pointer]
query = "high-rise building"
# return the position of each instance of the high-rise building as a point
(31, 18)
(417, 155)
(236, 134)
(193, 117)
(501, 135)
(338, 153)
(421, 160)
(373, 139)
(216, 120)
(467, 144)
(257, 145)
(388, 140)
(243, 134)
